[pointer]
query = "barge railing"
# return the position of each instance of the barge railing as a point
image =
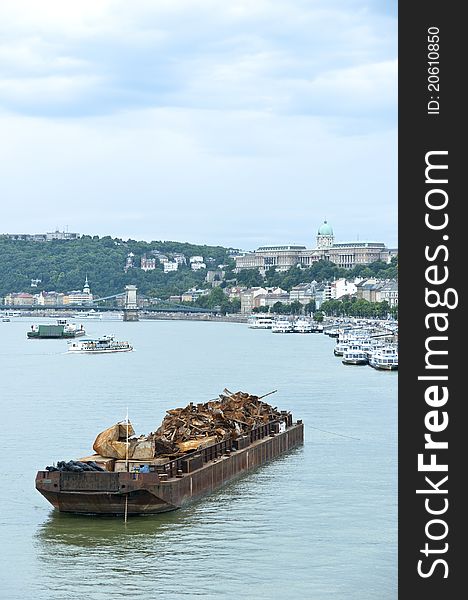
(176, 467)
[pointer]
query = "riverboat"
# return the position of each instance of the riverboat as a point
(354, 356)
(62, 329)
(260, 322)
(282, 326)
(385, 359)
(303, 326)
(102, 345)
(91, 314)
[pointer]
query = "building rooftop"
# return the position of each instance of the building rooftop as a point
(279, 248)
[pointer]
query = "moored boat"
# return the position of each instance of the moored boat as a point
(282, 326)
(260, 322)
(354, 356)
(133, 479)
(340, 347)
(91, 314)
(303, 326)
(384, 359)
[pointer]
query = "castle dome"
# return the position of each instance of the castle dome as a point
(325, 229)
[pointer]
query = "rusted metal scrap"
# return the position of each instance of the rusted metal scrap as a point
(196, 425)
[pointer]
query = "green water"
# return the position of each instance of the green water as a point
(319, 523)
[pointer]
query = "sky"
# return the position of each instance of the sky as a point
(239, 123)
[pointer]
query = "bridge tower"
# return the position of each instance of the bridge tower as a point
(130, 311)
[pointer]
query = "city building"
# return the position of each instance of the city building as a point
(179, 258)
(159, 255)
(303, 293)
(196, 263)
(378, 290)
(234, 292)
(50, 299)
(79, 298)
(147, 264)
(389, 293)
(323, 292)
(61, 235)
(214, 277)
(346, 255)
(129, 262)
(343, 287)
(193, 294)
(19, 299)
(259, 296)
(368, 289)
(42, 237)
(271, 298)
(170, 266)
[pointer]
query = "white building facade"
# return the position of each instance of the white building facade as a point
(282, 258)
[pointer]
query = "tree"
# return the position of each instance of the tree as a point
(295, 307)
(278, 308)
(318, 316)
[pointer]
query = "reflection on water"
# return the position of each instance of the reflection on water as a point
(104, 531)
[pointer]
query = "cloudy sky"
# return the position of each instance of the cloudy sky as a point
(237, 123)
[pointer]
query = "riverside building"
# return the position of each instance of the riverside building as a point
(347, 255)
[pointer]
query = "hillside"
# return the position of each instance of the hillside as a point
(63, 265)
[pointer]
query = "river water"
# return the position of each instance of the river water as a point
(319, 523)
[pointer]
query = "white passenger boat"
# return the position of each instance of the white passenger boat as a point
(354, 355)
(303, 326)
(282, 326)
(340, 347)
(91, 314)
(385, 359)
(102, 345)
(260, 321)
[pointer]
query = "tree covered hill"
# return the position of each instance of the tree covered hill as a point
(63, 265)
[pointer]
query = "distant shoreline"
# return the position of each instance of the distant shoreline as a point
(144, 316)
(236, 318)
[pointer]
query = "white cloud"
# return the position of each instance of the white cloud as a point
(199, 53)
(227, 122)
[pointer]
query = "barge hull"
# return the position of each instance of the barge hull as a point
(118, 493)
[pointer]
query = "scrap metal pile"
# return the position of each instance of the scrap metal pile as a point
(186, 429)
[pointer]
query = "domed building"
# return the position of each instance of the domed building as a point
(346, 255)
(325, 237)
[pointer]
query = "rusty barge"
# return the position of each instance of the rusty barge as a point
(155, 485)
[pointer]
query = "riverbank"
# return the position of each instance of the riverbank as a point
(173, 316)
(143, 315)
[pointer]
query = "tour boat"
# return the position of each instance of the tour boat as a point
(354, 356)
(260, 322)
(385, 359)
(303, 326)
(282, 326)
(340, 347)
(92, 314)
(102, 345)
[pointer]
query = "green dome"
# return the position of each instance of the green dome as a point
(325, 229)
